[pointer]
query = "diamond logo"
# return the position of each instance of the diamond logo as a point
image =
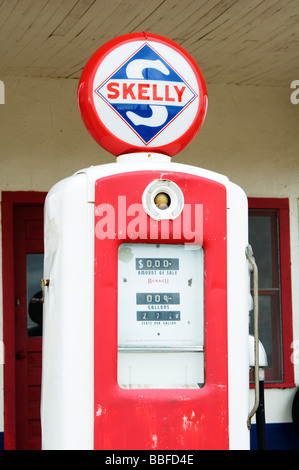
(147, 93)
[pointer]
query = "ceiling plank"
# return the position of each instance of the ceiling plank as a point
(73, 17)
(233, 41)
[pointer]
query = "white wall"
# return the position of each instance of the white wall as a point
(250, 135)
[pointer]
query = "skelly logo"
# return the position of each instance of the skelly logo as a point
(147, 93)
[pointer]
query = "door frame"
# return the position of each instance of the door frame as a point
(11, 199)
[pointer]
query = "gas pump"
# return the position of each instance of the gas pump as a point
(146, 276)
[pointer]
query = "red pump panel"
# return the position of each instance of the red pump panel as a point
(159, 419)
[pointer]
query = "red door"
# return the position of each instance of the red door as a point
(28, 269)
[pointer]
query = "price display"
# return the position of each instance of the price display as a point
(162, 316)
(154, 298)
(160, 295)
(157, 263)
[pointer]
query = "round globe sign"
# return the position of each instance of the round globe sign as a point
(142, 92)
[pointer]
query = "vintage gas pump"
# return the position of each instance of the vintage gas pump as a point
(147, 280)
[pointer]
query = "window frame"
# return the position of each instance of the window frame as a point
(281, 205)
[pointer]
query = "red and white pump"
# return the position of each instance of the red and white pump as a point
(147, 298)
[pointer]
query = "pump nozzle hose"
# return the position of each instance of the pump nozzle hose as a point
(249, 255)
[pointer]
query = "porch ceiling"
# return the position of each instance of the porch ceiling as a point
(241, 42)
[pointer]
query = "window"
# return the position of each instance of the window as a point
(269, 237)
(34, 274)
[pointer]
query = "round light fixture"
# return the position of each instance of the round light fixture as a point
(163, 199)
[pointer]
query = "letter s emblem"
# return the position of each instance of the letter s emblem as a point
(159, 113)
